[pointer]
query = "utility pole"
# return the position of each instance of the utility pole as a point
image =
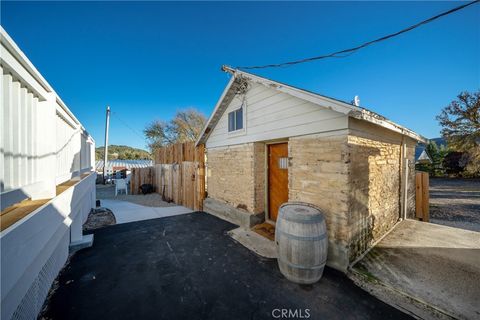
(105, 156)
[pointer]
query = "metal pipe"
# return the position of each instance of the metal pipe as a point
(105, 149)
(405, 192)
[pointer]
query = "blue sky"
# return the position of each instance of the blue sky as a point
(148, 59)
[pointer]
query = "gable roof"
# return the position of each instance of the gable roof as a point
(423, 157)
(235, 85)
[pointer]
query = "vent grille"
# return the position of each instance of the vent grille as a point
(283, 163)
(32, 302)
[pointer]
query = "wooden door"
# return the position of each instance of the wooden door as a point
(277, 178)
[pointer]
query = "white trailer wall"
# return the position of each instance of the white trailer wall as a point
(42, 144)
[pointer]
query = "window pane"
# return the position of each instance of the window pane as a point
(231, 121)
(239, 119)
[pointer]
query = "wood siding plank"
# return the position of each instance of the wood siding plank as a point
(272, 115)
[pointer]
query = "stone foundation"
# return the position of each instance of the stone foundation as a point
(236, 216)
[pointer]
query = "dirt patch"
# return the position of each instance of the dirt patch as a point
(455, 203)
(149, 200)
(98, 218)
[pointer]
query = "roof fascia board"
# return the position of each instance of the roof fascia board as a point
(18, 54)
(345, 108)
(301, 94)
(15, 59)
(387, 124)
(65, 108)
(204, 135)
(12, 66)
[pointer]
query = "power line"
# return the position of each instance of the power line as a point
(126, 125)
(352, 50)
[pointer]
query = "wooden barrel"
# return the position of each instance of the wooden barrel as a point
(301, 241)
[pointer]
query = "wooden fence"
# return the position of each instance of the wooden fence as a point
(178, 175)
(180, 152)
(141, 176)
(422, 196)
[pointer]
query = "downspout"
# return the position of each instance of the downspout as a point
(403, 180)
(405, 191)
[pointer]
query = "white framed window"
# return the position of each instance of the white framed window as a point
(236, 120)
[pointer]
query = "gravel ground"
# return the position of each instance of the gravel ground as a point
(455, 203)
(149, 200)
(98, 218)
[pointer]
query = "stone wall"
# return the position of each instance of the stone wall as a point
(318, 174)
(236, 176)
(355, 179)
(375, 183)
(375, 190)
(259, 176)
(353, 176)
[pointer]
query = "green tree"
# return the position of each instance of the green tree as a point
(472, 167)
(460, 122)
(437, 155)
(453, 163)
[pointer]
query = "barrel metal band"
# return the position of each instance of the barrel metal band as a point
(299, 219)
(296, 266)
(291, 236)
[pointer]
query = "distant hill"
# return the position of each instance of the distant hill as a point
(439, 141)
(122, 153)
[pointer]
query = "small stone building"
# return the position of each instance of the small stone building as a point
(269, 143)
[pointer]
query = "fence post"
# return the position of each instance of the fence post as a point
(422, 196)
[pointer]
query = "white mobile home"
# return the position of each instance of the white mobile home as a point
(47, 183)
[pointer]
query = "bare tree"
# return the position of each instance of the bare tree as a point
(185, 126)
(156, 134)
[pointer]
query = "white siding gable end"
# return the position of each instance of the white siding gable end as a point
(270, 114)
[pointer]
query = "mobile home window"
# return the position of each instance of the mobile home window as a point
(235, 120)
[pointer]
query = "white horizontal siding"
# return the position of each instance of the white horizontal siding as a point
(274, 115)
(42, 143)
(27, 246)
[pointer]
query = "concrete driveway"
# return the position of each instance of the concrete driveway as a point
(187, 267)
(126, 211)
(432, 265)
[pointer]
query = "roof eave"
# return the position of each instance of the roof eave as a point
(326, 102)
(214, 117)
(385, 123)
